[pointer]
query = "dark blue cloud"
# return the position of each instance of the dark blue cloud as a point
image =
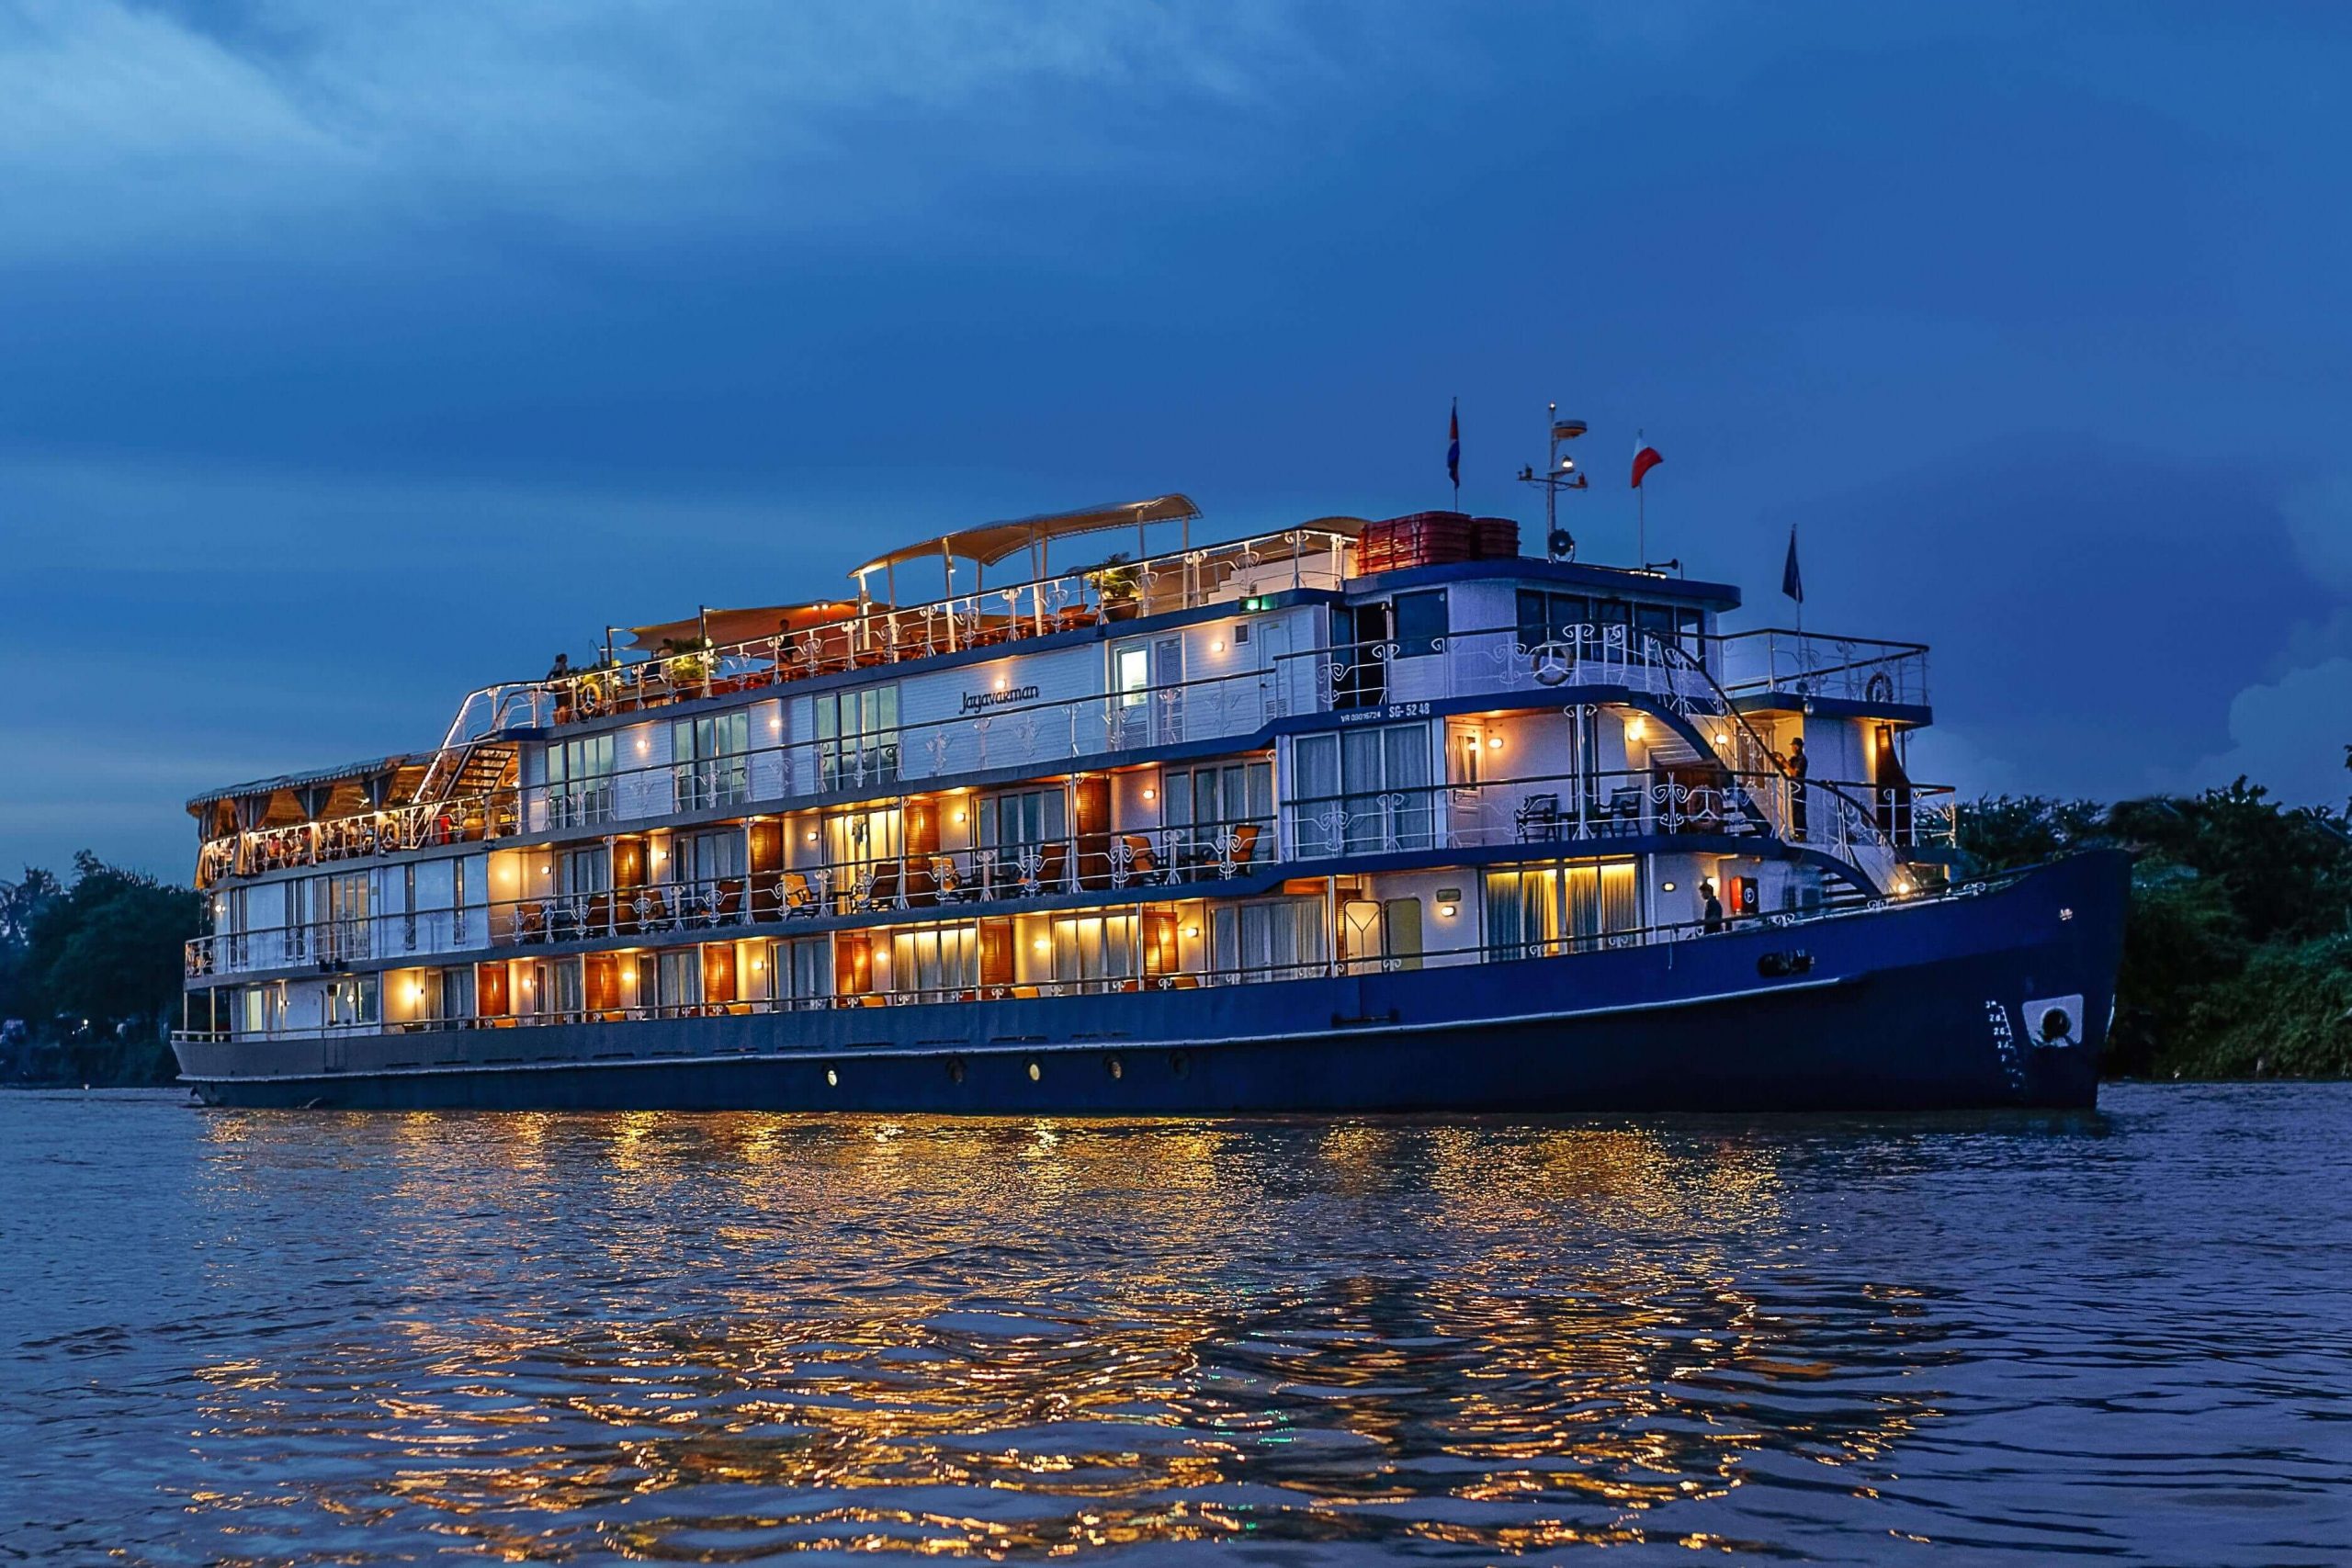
(357, 357)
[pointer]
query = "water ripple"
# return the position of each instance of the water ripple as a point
(241, 1339)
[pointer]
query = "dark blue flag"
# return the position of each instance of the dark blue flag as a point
(1453, 447)
(1791, 580)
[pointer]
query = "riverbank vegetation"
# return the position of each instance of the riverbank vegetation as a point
(2237, 959)
(90, 975)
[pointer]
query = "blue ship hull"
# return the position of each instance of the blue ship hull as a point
(1943, 1004)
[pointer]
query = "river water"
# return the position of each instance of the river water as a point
(233, 1337)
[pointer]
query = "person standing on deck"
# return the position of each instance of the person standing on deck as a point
(1711, 919)
(1797, 767)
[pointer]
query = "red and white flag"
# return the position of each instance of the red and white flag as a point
(1646, 457)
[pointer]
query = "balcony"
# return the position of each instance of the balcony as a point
(1494, 662)
(1797, 665)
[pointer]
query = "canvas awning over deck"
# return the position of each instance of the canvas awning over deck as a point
(728, 626)
(989, 543)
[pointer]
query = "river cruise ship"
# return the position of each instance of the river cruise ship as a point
(1353, 815)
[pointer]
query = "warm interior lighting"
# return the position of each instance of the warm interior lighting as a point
(1634, 728)
(1494, 743)
(1721, 739)
(1193, 931)
(1149, 793)
(1666, 886)
(641, 744)
(1448, 911)
(959, 814)
(1217, 647)
(813, 835)
(999, 682)
(1041, 944)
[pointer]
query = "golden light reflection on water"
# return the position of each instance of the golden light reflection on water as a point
(701, 1338)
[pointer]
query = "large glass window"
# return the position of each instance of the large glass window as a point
(1421, 623)
(1200, 803)
(580, 781)
(1363, 791)
(939, 962)
(708, 766)
(1097, 947)
(678, 978)
(857, 737)
(1274, 940)
(1024, 836)
(1541, 912)
(352, 1002)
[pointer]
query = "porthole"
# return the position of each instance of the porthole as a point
(1179, 1062)
(2056, 1024)
(1035, 1072)
(955, 1070)
(1113, 1065)
(833, 1079)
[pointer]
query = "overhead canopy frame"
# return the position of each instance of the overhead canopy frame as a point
(989, 543)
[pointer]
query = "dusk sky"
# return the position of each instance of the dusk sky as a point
(354, 357)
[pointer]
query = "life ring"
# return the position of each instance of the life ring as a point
(1879, 688)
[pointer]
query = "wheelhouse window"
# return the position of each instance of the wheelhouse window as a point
(707, 762)
(580, 781)
(1363, 791)
(1576, 623)
(1421, 623)
(857, 736)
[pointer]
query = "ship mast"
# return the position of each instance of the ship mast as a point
(1559, 473)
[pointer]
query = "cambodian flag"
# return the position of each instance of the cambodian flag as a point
(1454, 445)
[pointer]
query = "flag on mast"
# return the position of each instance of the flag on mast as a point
(1646, 457)
(1791, 580)
(1454, 448)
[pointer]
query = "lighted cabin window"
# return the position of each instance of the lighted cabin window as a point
(1097, 947)
(1023, 818)
(707, 765)
(678, 978)
(580, 781)
(707, 857)
(943, 962)
(259, 1009)
(1363, 791)
(1542, 911)
(584, 870)
(352, 1002)
(1279, 939)
(857, 736)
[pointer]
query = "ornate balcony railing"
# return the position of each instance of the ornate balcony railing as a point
(1492, 662)
(1868, 826)
(1810, 664)
(1332, 963)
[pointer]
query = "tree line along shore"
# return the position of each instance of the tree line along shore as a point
(2237, 959)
